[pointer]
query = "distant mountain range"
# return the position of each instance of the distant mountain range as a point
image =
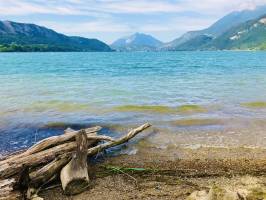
(137, 42)
(242, 30)
(218, 28)
(250, 35)
(237, 30)
(213, 37)
(30, 37)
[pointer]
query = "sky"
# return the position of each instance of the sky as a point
(109, 20)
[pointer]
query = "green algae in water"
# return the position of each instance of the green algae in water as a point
(196, 122)
(257, 104)
(56, 125)
(61, 106)
(184, 109)
(60, 125)
(145, 108)
(191, 108)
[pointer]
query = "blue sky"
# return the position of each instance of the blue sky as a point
(108, 20)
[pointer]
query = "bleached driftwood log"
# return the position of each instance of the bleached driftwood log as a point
(52, 158)
(53, 141)
(117, 142)
(74, 176)
(7, 190)
(10, 167)
(44, 174)
(47, 171)
(90, 152)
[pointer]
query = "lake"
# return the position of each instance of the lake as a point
(191, 98)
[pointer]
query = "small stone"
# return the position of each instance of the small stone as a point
(199, 195)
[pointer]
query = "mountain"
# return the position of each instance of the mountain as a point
(30, 37)
(137, 42)
(218, 28)
(249, 36)
(196, 43)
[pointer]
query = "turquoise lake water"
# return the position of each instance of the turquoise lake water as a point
(191, 98)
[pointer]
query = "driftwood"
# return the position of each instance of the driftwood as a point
(47, 158)
(6, 190)
(44, 174)
(119, 141)
(12, 166)
(53, 141)
(9, 168)
(74, 176)
(92, 151)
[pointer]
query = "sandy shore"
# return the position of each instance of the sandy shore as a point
(204, 173)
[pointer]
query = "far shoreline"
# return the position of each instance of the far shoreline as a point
(226, 50)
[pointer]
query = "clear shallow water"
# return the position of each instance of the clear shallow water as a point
(209, 98)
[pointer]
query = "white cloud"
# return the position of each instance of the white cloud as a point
(220, 6)
(109, 25)
(22, 7)
(182, 24)
(142, 6)
(87, 27)
(86, 7)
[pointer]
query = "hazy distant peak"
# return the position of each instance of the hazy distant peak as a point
(137, 42)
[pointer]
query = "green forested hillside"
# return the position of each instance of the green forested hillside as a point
(196, 43)
(262, 46)
(217, 29)
(248, 36)
(32, 48)
(30, 37)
